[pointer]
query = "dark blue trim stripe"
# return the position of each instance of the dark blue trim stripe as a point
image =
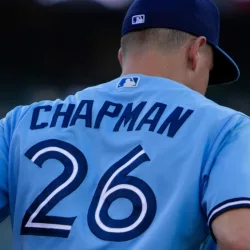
(225, 206)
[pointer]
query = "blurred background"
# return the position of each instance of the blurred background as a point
(53, 48)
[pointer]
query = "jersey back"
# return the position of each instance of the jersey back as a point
(117, 166)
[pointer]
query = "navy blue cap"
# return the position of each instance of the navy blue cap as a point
(196, 17)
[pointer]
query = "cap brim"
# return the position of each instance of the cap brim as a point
(225, 69)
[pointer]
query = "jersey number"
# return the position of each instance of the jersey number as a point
(114, 184)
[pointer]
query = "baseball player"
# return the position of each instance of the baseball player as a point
(142, 162)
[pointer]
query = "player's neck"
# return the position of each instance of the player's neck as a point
(153, 67)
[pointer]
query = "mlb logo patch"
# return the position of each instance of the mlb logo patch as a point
(128, 82)
(138, 19)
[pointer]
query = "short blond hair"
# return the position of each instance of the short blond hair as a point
(158, 38)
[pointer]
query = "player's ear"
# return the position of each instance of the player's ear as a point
(120, 56)
(195, 50)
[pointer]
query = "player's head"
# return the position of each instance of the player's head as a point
(168, 53)
(177, 39)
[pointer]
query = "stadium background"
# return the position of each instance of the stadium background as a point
(52, 48)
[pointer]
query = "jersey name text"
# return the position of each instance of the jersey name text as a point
(132, 117)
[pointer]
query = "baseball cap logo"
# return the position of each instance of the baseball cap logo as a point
(138, 19)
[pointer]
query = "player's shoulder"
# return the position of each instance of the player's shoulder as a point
(217, 115)
(200, 103)
(188, 97)
(220, 121)
(20, 113)
(219, 112)
(205, 110)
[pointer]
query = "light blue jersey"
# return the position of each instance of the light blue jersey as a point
(138, 163)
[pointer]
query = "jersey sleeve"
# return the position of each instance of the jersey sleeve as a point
(4, 203)
(7, 129)
(226, 183)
